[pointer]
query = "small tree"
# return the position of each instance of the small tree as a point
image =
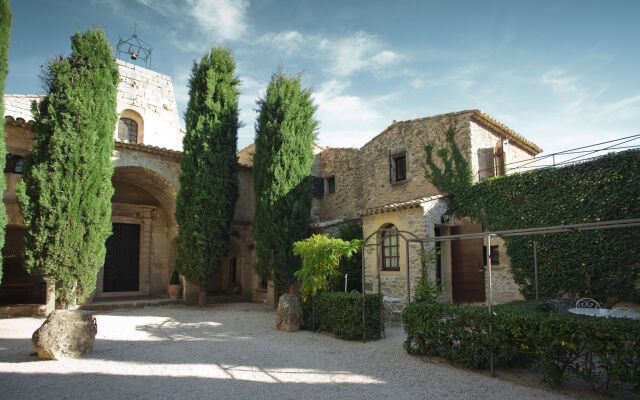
(209, 179)
(320, 261)
(5, 33)
(285, 132)
(65, 193)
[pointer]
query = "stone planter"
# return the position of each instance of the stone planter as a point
(174, 291)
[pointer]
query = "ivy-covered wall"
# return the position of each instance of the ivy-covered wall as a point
(601, 264)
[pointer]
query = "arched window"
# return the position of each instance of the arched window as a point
(233, 270)
(128, 130)
(390, 250)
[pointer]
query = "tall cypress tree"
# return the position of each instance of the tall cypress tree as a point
(65, 193)
(285, 132)
(209, 179)
(5, 33)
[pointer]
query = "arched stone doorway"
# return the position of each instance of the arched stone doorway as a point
(230, 281)
(141, 251)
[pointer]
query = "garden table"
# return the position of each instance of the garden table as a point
(605, 312)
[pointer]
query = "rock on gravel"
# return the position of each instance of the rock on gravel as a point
(289, 315)
(64, 334)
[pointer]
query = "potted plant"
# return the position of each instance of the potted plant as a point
(174, 288)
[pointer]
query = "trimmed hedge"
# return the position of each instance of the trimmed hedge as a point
(341, 314)
(602, 352)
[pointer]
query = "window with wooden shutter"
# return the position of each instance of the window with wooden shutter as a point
(398, 167)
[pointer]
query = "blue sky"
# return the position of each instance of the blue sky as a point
(562, 73)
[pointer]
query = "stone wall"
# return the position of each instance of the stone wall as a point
(484, 139)
(421, 221)
(363, 176)
(150, 95)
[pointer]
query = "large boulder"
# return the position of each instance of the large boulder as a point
(65, 333)
(289, 313)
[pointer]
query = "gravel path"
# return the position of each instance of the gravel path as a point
(232, 351)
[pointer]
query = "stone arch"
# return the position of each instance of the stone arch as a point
(146, 199)
(221, 283)
(168, 170)
(137, 118)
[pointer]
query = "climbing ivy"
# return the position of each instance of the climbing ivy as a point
(455, 175)
(601, 264)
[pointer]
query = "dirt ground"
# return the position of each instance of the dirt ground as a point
(234, 350)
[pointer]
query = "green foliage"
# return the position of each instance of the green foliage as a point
(455, 175)
(341, 314)
(600, 264)
(603, 352)
(209, 178)
(5, 34)
(320, 256)
(352, 265)
(427, 289)
(285, 131)
(65, 193)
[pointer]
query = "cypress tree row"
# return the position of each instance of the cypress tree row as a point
(209, 179)
(285, 132)
(65, 193)
(5, 33)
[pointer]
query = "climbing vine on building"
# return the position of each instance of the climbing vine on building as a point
(601, 264)
(454, 175)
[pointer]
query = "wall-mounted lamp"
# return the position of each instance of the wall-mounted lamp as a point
(446, 217)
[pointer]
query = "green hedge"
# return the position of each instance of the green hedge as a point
(341, 314)
(603, 352)
(600, 264)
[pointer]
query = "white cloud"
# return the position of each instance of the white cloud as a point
(288, 42)
(345, 120)
(223, 18)
(341, 56)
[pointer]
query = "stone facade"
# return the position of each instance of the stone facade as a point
(360, 184)
(365, 187)
(146, 183)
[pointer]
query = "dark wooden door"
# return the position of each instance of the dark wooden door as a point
(467, 273)
(122, 261)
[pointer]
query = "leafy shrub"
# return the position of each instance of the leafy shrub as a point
(341, 314)
(602, 352)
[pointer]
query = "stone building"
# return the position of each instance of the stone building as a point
(142, 250)
(381, 185)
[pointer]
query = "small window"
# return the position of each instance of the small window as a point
(398, 164)
(13, 163)
(390, 250)
(263, 283)
(331, 184)
(233, 270)
(317, 186)
(495, 255)
(128, 130)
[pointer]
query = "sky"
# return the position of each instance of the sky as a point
(563, 74)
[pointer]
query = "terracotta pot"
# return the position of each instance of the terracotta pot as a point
(174, 291)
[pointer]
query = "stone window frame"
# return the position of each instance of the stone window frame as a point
(135, 117)
(396, 174)
(331, 184)
(390, 241)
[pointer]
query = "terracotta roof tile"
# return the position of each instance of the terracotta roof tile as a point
(401, 205)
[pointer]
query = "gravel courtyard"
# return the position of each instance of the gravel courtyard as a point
(232, 351)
